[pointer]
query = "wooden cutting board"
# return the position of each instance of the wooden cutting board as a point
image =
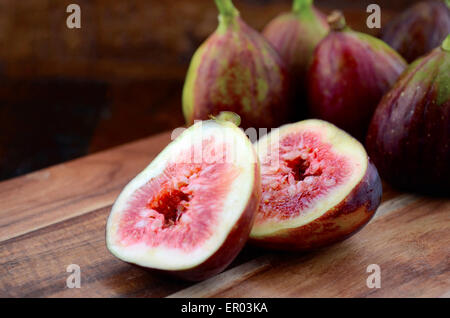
(56, 217)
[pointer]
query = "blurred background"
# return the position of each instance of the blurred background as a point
(65, 93)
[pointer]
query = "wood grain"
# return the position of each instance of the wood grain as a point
(412, 250)
(34, 265)
(229, 278)
(410, 245)
(56, 217)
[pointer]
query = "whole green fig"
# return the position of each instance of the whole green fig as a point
(236, 69)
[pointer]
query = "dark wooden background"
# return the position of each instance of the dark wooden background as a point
(68, 92)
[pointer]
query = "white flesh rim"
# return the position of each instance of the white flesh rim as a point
(170, 258)
(342, 144)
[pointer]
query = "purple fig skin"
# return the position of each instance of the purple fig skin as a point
(349, 75)
(409, 136)
(295, 35)
(236, 69)
(419, 29)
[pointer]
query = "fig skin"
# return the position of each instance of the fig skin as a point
(409, 136)
(349, 74)
(236, 69)
(295, 35)
(419, 29)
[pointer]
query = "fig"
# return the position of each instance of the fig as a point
(236, 69)
(409, 136)
(419, 29)
(349, 74)
(295, 35)
(318, 187)
(190, 212)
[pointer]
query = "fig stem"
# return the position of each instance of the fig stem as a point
(446, 44)
(300, 5)
(228, 116)
(227, 10)
(336, 20)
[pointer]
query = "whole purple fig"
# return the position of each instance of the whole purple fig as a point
(419, 29)
(295, 35)
(236, 69)
(409, 136)
(349, 74)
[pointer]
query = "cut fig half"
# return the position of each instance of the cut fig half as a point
(191, 210)
(318, 187)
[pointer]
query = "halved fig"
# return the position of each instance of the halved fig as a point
(318, 187)
(190, 212)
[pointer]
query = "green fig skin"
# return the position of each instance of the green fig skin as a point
(409, 136)
(419, 29)
(349, 74)
(295, 35)
(237, 70)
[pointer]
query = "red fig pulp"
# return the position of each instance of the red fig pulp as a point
(419, 29)
(409, 136)
(349, 74)
(237, 70)
(295, 35)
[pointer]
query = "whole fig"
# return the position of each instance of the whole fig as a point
(409, 136)
(419, 29)
(349, 74)
(295, 35)
(236, 69)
